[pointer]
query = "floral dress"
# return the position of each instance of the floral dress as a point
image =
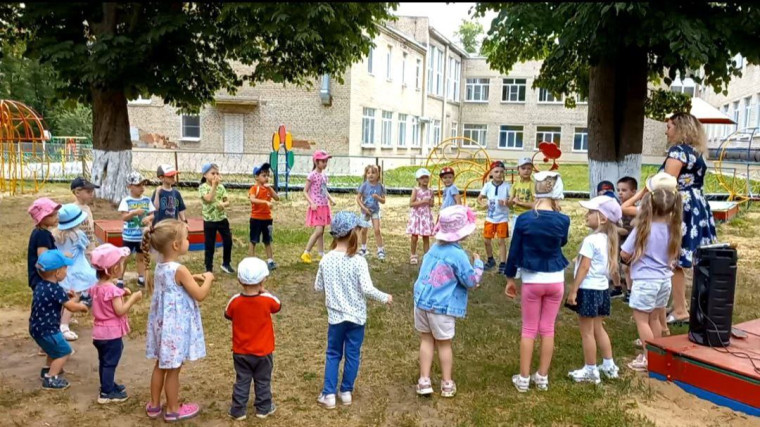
(175, 331)
(421, 217)
(698, 227)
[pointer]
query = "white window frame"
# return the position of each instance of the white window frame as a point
(183, 126)
(439, 65)
(512, 85)
(431, 62)
(403, 69)
(453, 129)
(457, 80)
(402, 119)
(386, 129)
(450, 79)
(479, 131)
(757, 109)
(514, 132)
(140, 101)
(470, 86)
(735, 114)
(581, 101)
(583, 133)
(544, 95)
(436, 133)
(548, 130)
(727, 128)
(747, 111)
(389, 64)
(418, 75)
(371, 62)
(415, 131)
(368, 127)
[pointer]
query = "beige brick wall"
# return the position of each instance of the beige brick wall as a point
(739, 90)
(417, 27)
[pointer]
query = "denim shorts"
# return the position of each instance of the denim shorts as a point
(55, 346)
(370, 217)
(647, 295)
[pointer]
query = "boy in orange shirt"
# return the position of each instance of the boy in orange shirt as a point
(261, 195)
(252, 339)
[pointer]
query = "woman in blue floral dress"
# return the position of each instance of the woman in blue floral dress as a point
(687, 142)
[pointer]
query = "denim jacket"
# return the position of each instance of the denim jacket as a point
(445, 277)
(537, 242)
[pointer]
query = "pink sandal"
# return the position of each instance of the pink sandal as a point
(187, 410)
(413, 260)
(152, 412)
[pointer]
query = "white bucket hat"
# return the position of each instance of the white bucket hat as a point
(549, 185)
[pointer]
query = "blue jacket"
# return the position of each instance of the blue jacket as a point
(445, 277)
(537, 242)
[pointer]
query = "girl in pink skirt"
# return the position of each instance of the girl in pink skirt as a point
(318, 214)
(420, 214)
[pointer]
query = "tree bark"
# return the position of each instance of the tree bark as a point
(112, 147)
(617, 92)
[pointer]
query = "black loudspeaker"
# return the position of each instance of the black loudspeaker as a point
(712, 295)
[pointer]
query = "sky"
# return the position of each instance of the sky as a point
(444, 17)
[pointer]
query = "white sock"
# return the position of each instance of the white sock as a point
(608, 363)
(379, 248)
(64, 328)
(364, 246)
(591, 368)
(321, 254)
(270, 260)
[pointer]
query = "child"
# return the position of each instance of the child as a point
(215, 204)
(652, 248)
(45, 321)
(175, 331)
(168, 200)
(420, 216)
(536, 249)
(369, 196)
(252, 339)
(440, 295)
(521, 194)
(451, 195)
(137, 212)
(71, 240)
(597, 263)
(495, 195)
(318, 215)
(44, 213)
(109, 312)
(626, 188)
(261, 195)
(606, 188)
(84, 191)
(344, 277)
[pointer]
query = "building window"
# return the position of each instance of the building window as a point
(436, 133)
(418, 75)
(388, 63)
(403, 70)
(544, 96)
(457, 80)
(454, 130)
(140, 101)
(453, 80)
(513, 90)
(431, 62)
(475, 132)
(511, 137)
(439, 73)
(368, 126)
(476, 90)
(415, 131)
(370, 61)
(726, 128)
(736, 114)
(581, 99)
(191, 128)
(385, 134)
(747, 111)
(548, 134)
(757, 111)
(402, 130)
(450, 79)
(686, 86)
(580, 140)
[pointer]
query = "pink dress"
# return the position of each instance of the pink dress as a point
(320, 216)
(107, 325)
(421, 217)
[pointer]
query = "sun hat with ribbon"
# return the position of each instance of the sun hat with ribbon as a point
(70, 216)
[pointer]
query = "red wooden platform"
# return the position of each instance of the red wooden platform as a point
(109, 230)
(714, 374)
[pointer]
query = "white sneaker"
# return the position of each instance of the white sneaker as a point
(424, 387)
(520, 383)
(584, 375)
(611, 373)
(327, 400)
(346, 398)
(70, 335)
(381, 255)
(640, 364)
(363, 252)
(541, 382)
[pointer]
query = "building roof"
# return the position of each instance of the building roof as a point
(455, 47)
(407, 38)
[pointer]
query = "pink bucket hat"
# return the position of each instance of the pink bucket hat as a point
(320, 155)
(455, 223)
(107, 255)
(41, 208)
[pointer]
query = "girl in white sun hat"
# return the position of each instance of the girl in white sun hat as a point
(421, 214)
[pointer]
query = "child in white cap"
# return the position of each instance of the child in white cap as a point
(421, 214)
(522, 196)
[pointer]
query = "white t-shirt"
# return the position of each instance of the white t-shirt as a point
(594, 247)
(496, 212)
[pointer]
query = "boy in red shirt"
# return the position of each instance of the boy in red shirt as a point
(252, 339)
(261, 195)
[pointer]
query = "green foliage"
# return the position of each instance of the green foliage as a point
(468, 33)
(184, 52)
(661, 103)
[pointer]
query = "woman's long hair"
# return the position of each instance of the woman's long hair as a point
(688, 130)
(659, 203)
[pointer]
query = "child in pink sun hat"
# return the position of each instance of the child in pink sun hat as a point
(318, 214)
(44, 213)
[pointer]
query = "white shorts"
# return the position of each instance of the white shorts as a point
(647, 295)
(440, 325)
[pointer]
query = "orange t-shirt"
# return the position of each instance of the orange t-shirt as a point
(260, 210)
(252, 330)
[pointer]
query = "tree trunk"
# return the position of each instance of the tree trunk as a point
(112, 147)
(617, 91)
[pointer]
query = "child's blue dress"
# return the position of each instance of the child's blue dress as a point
(80, 276)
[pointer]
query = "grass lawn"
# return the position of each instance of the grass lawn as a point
(485, 347)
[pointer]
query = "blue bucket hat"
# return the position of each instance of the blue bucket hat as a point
(53, 260)
(70, 216)
(345, 221)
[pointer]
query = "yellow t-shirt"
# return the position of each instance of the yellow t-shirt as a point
(525, 193)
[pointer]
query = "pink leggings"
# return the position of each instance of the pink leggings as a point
(540, 305)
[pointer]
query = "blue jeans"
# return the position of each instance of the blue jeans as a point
(109, 353)
(343, 339)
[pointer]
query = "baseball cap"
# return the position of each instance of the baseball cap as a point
(344, 221)
(446, 170)
(81, 182)
(496, 164)
(320, 155)
(262, 167)
(605, 186)
(41, 208)
(70, 216)
(135, 178)
(107, 255)
(606, 205)
(662, 180)
(53, 260)
(166, 170)
(524, 161)
(207, 167)
(252, 271)
(421, 172)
